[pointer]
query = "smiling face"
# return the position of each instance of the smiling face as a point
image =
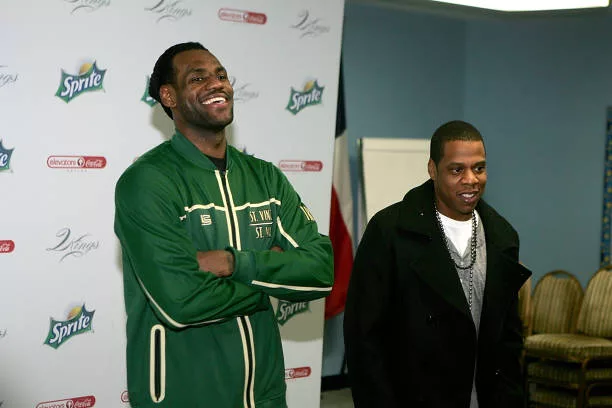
(459, 178)
(201, 95)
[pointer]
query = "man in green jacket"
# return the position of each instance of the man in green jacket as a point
(207, 234)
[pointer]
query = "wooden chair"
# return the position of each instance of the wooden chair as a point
(568, 366)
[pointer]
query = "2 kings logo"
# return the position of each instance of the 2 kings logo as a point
(87, 5)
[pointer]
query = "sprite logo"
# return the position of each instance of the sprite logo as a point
(146, 98)
(311, 95)
(5, 157)
(90, 78)
(78, 322)
(286, 310)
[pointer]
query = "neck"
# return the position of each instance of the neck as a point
(456, 216)
(211, 143)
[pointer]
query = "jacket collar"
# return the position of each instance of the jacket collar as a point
(434, 265)
(190, 152)
(418, 213)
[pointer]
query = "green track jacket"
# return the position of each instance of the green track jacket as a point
(193, 339)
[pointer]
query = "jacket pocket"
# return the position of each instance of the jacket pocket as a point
(157, 363)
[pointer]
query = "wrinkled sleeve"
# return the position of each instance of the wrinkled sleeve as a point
(304, 270)
(160, 256)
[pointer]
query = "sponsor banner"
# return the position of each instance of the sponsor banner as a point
(73, 246)
(5, 157)
(76, 162)
(242, 16)
(287, 310)
(300, 165)
(78, 322)
(168, 10)
(308, 25)
(311, 95)
(6, 246)
(75, 402)
(299, 372)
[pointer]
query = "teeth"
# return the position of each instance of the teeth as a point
(468, 195)
(217, 99)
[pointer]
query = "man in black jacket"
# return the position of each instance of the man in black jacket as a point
(431, 316)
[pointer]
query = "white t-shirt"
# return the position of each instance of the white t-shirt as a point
(458, 232)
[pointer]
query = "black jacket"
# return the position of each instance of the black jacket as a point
(410, 339)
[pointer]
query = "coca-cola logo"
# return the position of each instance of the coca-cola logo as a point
(76, 402)
(299, 372)
(300, 165)
(242, 16)
(76, 162)
(6, 246)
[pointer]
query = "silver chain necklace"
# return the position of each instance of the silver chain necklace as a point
(473, 240)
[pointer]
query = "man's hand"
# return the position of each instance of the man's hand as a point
(276, 248)
(218, 262)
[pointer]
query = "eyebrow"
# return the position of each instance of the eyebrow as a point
(480, 163)
(202, 70)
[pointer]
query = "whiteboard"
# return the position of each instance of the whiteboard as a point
(389, 168)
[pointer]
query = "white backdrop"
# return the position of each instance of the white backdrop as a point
(60, 159)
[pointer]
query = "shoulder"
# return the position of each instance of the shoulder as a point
(151, 167)
(257, 166)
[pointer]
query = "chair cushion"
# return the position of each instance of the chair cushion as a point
(565, 399)
(567, 373)
(568, 346)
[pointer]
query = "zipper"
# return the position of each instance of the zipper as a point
(230, 208)
(244, 323)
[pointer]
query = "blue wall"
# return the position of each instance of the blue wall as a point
(538, 89)
(404, 74)
(536, 86)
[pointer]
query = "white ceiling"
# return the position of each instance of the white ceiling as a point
(450, 10)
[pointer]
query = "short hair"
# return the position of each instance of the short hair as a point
(451, 131)
(163, 72)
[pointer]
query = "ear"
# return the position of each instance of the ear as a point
(431, 169)
(167, 94)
